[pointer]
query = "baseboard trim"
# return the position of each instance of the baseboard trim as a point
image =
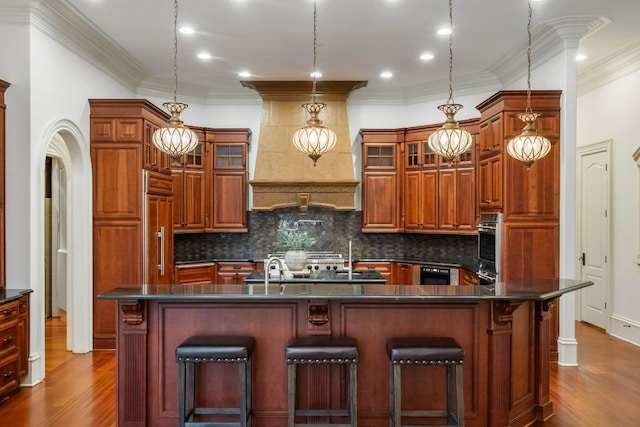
(626, 329)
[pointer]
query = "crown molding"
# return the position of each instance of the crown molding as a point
(619, 63)
(60, 21)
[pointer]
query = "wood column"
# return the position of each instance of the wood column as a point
(499, 332)
(543, 332)
(132, 363)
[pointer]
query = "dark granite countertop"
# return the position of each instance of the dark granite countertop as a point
(7, 295)
(358, 276)
(538, 289)
(467, 266)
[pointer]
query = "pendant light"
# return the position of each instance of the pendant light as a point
(314, 139)
(450, 140)
(175, 138)
(528, 146)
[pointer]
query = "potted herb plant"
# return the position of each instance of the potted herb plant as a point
(294, 242)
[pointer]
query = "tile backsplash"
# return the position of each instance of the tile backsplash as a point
(333, 230)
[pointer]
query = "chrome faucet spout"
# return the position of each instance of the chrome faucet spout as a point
(267, 267)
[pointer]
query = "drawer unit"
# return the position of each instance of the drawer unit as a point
(9, 380)
(8, 313)
(201, 274)
(8, 341)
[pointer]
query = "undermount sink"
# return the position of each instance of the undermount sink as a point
(346, 273)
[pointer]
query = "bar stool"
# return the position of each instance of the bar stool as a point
(323, 350)
(213, 349)
(426, 351)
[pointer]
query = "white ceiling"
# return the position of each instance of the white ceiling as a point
(357, 39)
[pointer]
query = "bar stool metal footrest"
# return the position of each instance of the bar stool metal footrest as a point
(407, 351)
(213, 349)
(323, 350)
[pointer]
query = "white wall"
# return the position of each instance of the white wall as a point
(611, 112)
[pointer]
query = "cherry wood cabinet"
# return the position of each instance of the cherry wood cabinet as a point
(467, 278)
(189, 176)
(3, 87)
(233, 273)
(529, 199)
(403, 274)
(132, 204)
(200, 273)
(381, 180)
(420, 181)
(14, 344)
(228, 184)
(504, 184)
(385, 268)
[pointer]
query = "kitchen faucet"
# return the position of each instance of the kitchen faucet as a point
(267, 266)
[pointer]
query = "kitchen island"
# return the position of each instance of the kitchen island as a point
(504, 332)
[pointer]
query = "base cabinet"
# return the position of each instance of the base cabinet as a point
(201, 274)
(14, 345)
(233, 273)
(384, 268)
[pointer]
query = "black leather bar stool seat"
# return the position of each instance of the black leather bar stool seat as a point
(323, 350)
(426, 351)
(213, 349)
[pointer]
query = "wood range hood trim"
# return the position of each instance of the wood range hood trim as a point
(285, 177)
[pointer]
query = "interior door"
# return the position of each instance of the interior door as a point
(593, 217)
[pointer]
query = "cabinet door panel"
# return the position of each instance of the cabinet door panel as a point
(229, 212)
(380, 206)
(412, 219)
(447, 199)
(194, 196)
(429, 200)
(465, 199)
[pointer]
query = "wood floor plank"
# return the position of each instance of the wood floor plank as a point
(79, 390)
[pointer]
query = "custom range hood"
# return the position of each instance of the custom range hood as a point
(283, 175)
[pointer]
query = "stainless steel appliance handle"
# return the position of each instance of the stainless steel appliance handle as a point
(486, 228)
(161, 265)
(485, 276)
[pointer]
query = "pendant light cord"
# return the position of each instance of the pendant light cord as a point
(175, 50)
(315, 48)
(450, 100)
(529, 58)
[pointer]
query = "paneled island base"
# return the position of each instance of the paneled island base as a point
(506, 344)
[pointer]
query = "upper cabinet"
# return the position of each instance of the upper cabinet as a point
(420, 181)
(210, 183)
(3, 87)
(381, 184)
(229, 170)
(189, 174)
(406, 187)
(504, 183)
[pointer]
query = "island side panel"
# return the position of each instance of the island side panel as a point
(271, 323)
(132, 384)
(373, 323)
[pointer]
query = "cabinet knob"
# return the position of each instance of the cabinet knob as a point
(8, 311)
(9, 339)
(9, 374)
(487, 148)
(486, 201)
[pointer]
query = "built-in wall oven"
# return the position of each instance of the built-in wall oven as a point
(489, 247)
(436, 275)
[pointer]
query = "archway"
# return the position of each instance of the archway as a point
(64, 140)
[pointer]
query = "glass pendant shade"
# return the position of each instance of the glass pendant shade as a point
(528, 146)
(450, 140)
(175, 138)
(314, 139)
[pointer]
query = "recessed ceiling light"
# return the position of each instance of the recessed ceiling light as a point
(427, 56)
(204, 55)
(445, 31)
(244, 74)
(187, 30)
(316, 74)
(581, 57)
(386, 74)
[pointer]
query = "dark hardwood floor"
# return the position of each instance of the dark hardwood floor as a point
(79, 390)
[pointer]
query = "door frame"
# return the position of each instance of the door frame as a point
(581, 152)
